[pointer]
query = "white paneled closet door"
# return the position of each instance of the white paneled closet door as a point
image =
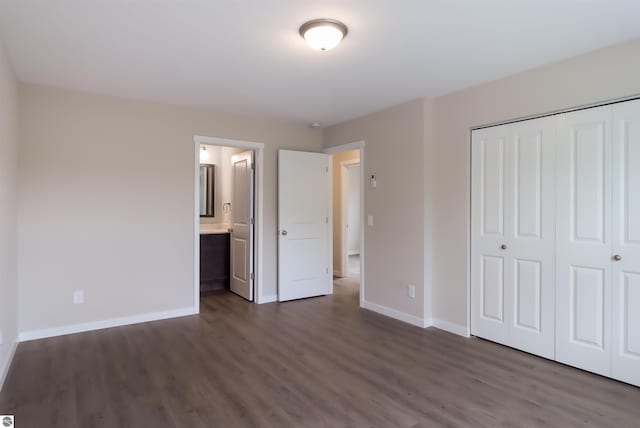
(583, 265)
(513, 187)
(531, 248)
(490, 270)
(626, 242)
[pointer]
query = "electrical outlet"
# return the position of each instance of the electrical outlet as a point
(411, 291)
(78, 297)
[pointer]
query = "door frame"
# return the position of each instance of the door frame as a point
(258, 204)
(357, 145)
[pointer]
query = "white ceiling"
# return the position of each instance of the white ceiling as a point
(246, 57)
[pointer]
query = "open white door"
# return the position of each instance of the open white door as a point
(242, 225)
(304, 191)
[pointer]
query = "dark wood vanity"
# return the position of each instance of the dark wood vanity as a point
(214, 262)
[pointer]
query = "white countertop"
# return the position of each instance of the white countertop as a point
(210, 229)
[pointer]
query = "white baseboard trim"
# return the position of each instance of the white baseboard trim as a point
(4, 370)
(458, 329)
(393, 313)
(98, 325)
(268, 299)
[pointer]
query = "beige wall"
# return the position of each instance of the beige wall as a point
(598, 76)
(338, 226)
(8, 221)
(105, 192)
(394, 246)
(106, 202)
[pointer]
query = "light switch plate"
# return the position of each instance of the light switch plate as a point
(370, 220)
(411, 291)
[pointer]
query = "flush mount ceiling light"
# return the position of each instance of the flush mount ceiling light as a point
(323, 34)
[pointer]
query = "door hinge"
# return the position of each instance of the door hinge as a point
(253, 276)
(326, 169)
(253, 166)
(327, 270)
(251, 221)
(326, 220)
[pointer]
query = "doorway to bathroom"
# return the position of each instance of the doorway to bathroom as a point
(227, 218)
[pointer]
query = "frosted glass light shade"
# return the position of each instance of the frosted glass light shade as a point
(323, 34)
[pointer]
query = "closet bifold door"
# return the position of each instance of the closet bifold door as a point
(512, 235)
(490, 270)
(626, 242)
(531, 248)
(583, 240)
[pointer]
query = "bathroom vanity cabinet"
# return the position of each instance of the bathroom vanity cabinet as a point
(214, 262)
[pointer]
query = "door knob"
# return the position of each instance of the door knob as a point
(617, 257)
(503, 247)
(284, 232)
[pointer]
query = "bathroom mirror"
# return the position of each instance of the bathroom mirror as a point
(207, 181)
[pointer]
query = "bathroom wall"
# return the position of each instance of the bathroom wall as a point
(221, 158)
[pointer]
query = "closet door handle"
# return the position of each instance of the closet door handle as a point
(617, 257)
(503, 246)
(284, 233)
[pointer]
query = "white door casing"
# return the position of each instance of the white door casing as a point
(242, 219)
(583, 264)
(304, 207)
(513, 235)
(626, 243)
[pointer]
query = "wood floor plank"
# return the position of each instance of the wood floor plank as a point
(319, 362)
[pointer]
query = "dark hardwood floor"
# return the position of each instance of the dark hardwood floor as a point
(314, 362)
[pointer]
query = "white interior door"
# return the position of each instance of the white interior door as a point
(489, 225)
(242, 224)
(583, 267)
(531, 247)
(304, 207)
(626, 242)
